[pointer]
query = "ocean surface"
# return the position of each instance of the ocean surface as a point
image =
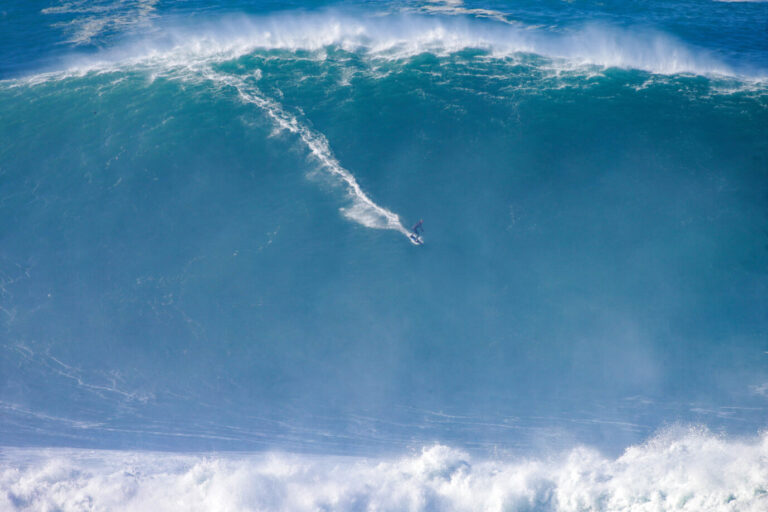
(209, 299)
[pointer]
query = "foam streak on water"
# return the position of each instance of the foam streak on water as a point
(362, 209)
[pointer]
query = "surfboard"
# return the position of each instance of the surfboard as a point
(416, 239)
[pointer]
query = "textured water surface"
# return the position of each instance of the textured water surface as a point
(204, 247)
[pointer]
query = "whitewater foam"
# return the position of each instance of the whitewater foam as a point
(403, 35)
(689, 470)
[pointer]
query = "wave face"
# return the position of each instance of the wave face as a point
(206, 246)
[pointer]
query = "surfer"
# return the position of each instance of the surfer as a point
(418, 227)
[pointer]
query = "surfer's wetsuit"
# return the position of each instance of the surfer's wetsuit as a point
(418, 227)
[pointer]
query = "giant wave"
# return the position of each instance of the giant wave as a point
(598, 258)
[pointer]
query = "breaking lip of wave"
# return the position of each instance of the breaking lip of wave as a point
(682, 469)
(399, 36)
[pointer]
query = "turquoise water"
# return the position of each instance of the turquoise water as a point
(205, 248)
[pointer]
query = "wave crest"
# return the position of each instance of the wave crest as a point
(398, 36)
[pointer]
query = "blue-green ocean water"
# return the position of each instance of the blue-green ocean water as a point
(203, 243)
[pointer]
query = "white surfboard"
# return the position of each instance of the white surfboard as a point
(416, 239)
